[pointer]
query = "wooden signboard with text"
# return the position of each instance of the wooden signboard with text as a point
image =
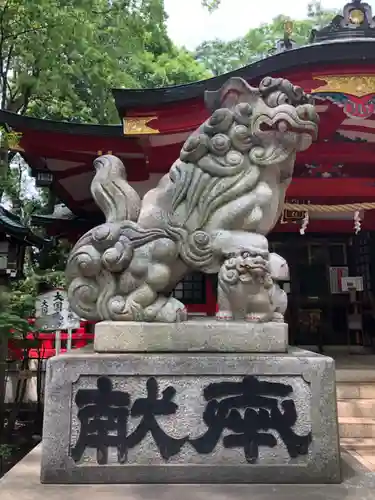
(293, 216)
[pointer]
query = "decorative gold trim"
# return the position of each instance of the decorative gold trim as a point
(356, 16)
(288, 26)
(138, 125)
(100, 152)
(357, 85)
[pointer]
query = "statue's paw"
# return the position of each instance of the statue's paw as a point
(173, 311)
(224, 316)
(257, 318)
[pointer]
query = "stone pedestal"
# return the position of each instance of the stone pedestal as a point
(190, 418)
(195, 335)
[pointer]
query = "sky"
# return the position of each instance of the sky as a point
(190, 24)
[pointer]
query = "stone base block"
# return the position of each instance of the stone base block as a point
(190, 418)
(196, 335)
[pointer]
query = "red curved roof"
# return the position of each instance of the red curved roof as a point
(324, 56)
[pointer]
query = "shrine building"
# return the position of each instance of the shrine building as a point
(331, 199)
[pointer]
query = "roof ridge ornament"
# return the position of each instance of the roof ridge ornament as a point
(357, 21)
(286, 43)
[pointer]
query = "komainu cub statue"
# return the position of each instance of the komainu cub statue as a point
(248, 287)
(227, 186)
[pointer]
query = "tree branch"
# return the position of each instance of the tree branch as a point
(24, 32)
(2, 39)
(11, 95)
(3, 12)
(7, 64)
(19, 104)
(4, 72)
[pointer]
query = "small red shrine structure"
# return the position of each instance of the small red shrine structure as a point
(337, 67)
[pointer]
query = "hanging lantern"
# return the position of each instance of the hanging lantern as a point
(43, 179)
(4, 249)
(11, 257)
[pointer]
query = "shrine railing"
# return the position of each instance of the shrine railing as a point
(44, 345)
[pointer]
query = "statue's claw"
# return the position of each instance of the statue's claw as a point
(173, 311)
(278, 317)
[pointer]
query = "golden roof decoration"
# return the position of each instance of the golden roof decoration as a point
(138, 125)
(357, 85)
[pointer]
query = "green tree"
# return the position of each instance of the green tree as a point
(61, 58)
(11, 324)
(221, 57)
(43, 267)
(172, 68)
(48, 263)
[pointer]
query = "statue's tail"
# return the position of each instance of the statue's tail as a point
(112, 192)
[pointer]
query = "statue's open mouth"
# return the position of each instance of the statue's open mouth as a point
(255, 267)
(283, 126)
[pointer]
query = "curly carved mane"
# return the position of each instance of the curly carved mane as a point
(215, 167)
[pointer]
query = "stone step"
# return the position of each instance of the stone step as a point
(360, 444)
(355, 391)
(357, 427)
(356, 408)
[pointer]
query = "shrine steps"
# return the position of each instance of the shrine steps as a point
(356, 408)
(360, 427)
(356, 414)
(363, 444)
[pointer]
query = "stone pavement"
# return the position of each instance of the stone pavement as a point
(22, 483)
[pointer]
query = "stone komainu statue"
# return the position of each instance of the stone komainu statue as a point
(220, 198)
